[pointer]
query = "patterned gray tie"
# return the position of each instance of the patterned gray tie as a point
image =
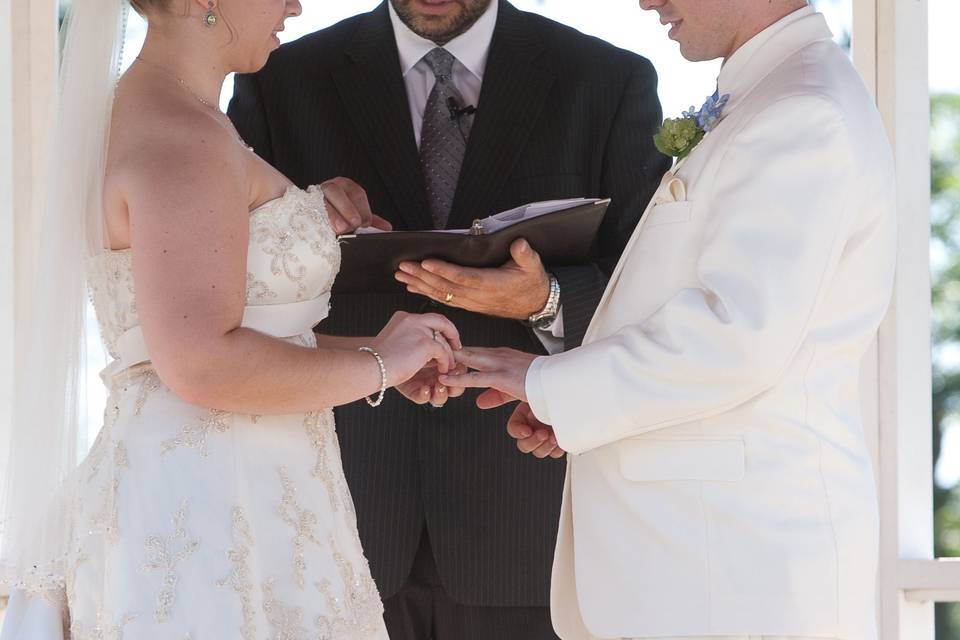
(443, 138)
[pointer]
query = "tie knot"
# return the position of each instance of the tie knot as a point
(440, 62)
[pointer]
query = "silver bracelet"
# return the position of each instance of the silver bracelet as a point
(383, 377)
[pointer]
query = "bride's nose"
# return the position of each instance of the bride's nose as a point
(294, 8)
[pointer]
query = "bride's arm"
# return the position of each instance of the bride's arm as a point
(188, 200)
(340, 342)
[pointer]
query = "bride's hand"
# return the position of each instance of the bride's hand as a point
(348, 207)
(410, 342)
(424, 387)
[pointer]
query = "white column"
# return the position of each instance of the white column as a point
(906, 459)
(7, 289)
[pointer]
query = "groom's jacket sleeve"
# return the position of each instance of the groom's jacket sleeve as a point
(246, 110)
(632, 169)
(776, 221)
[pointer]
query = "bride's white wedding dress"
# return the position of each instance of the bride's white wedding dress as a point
(188, 522)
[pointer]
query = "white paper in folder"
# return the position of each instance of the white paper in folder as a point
(509, 217)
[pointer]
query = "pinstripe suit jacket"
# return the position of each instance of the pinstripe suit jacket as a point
(560, 115)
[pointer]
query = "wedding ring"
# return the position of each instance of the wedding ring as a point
(448, 297)
(436, 335)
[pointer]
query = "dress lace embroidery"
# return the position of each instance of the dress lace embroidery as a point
(239, 579)
(359, 612)
(194, 436)
(303, 521)
(102, 630)
(319, 428)
(164, 554)
(286, 622)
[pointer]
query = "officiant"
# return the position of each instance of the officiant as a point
(445, 112)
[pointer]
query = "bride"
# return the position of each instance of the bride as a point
(213, 503)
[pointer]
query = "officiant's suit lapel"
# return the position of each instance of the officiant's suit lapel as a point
(514, 93)
(374, 96)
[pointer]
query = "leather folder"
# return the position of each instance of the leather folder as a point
(369, 260)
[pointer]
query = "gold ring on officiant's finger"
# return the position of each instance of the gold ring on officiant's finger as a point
(448, 298)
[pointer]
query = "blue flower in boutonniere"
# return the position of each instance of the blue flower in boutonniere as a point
(678, 136)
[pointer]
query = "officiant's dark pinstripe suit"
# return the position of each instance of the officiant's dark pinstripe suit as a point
(560, 115)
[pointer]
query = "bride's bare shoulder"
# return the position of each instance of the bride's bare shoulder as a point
(165, 137)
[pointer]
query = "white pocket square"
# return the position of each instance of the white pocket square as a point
(672, 190)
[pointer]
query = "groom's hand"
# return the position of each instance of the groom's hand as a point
(502, 371)
(348, 207)
(516, 290)
(533, 436)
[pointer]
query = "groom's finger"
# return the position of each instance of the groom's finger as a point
(518, 428)
(531, 444)
(493, 398)
(474, 380)
(546, 448)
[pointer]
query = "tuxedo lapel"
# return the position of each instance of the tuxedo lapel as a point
(374, 96)
(514, 93)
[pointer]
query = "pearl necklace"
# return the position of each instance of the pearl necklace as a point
(183, 84)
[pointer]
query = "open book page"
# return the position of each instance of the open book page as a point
(504, 219)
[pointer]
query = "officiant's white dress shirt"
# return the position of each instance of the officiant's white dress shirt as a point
(471, 50)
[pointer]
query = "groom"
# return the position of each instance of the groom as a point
(718, 482)
(458, 527)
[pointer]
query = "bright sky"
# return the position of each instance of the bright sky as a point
(623, 23)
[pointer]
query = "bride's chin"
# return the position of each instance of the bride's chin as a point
(257, 64)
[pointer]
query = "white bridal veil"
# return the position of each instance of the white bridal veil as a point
(43, 443)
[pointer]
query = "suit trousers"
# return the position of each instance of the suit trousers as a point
(422, 610)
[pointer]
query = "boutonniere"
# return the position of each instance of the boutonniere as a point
(678, 136)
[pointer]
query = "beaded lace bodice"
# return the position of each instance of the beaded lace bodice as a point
(293, 256)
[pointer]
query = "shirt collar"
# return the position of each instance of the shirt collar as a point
(470, 48)
(756, 58)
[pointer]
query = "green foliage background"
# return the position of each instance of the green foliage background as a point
(945, 268)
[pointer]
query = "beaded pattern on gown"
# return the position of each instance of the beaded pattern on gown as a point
(198, 523)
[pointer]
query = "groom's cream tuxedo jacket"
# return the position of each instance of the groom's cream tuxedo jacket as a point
(718, 482)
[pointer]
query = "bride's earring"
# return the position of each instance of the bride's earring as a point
(210, 18)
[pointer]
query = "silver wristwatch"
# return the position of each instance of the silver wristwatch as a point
(545, 317)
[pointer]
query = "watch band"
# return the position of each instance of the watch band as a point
(548, 314)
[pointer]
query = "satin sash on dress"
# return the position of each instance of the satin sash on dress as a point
(278, 320)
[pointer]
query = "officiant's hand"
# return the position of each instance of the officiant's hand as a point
(426, 387)
(348, 207)
(516, 290)
(503, 372)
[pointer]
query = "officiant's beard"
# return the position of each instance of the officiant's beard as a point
(440, 29)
